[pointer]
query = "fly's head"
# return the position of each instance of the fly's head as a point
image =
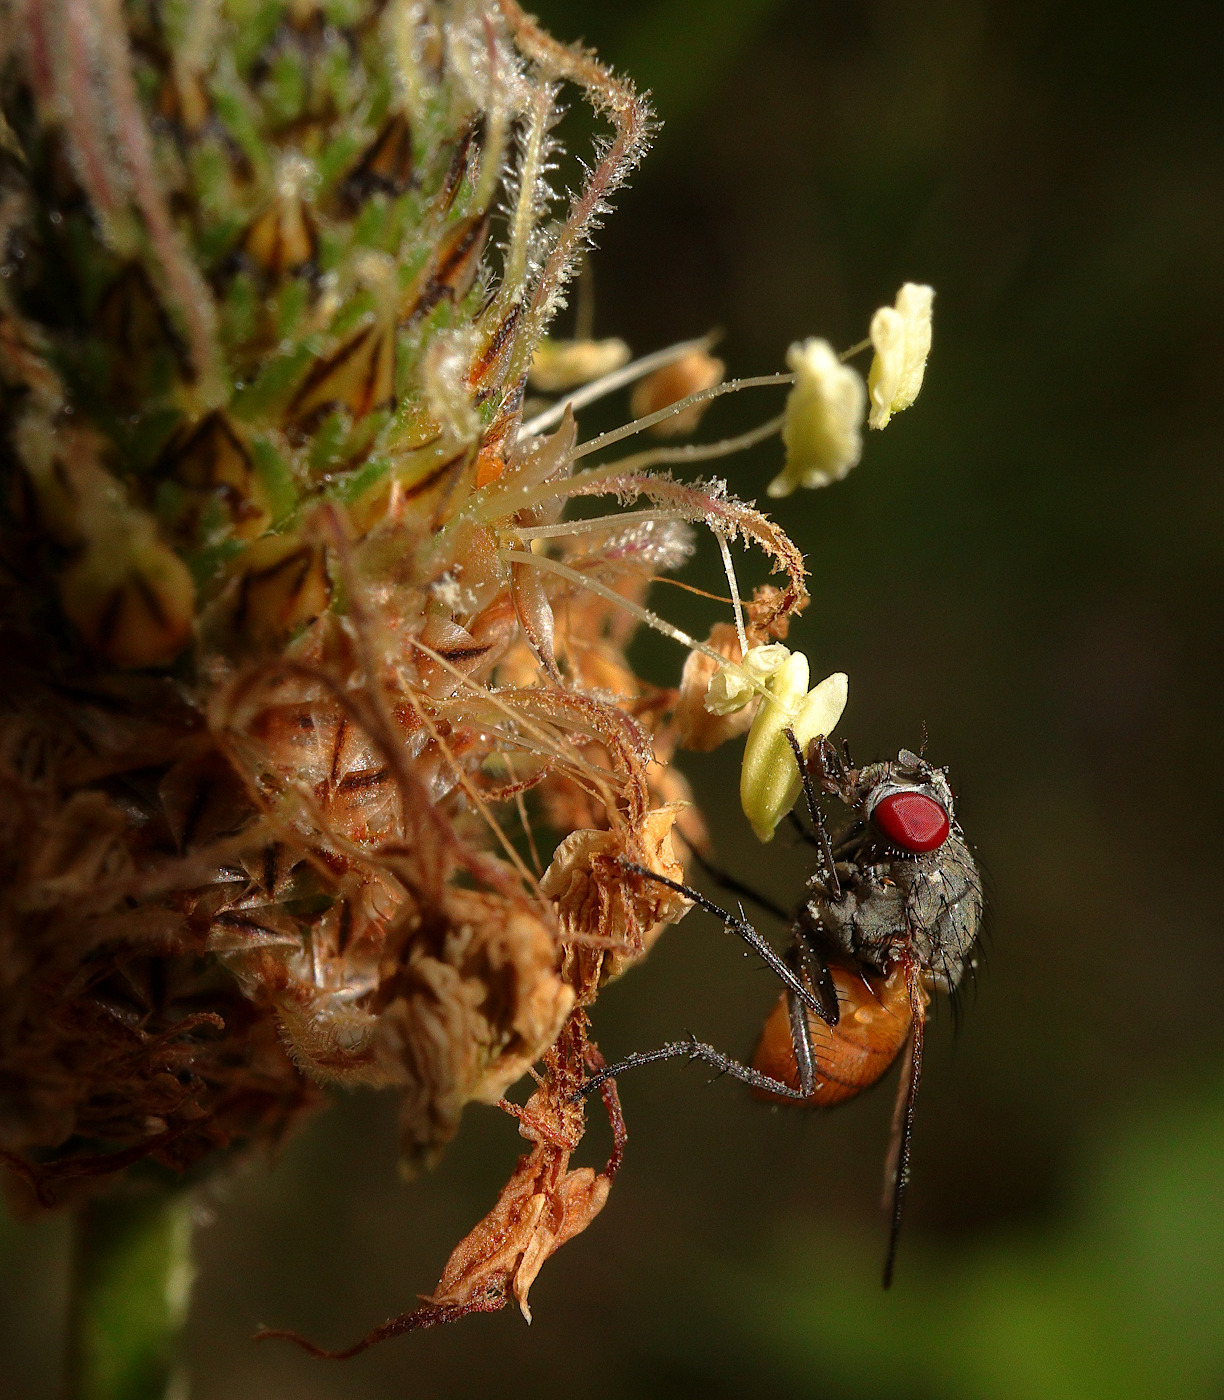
(907, 885)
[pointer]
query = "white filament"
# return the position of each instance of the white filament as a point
(598, 522)
(610, 382)
(725, 551)
(732, 386)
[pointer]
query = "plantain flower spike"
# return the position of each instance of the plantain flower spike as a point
(769, 779)
(822, 428)
(901, 335)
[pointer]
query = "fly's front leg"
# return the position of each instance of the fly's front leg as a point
(811, 966)
(734, 886)
(807, 956)
(829, 771)
(776, 964)
(817, 816)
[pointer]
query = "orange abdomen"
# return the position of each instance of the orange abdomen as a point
(873, 1026)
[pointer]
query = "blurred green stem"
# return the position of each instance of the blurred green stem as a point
(132, 1277)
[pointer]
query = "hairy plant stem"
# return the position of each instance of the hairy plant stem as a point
(131, 1282)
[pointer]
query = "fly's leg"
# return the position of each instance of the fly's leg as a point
(776, 964)
(801, 1039)
(812, 968)
(897, 1168)
(817, 816)
(832, 772)
(693, 1049)
(734, 886)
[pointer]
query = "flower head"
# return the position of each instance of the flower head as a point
(824, 414)
(901, 335)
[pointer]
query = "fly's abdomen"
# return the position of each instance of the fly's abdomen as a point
(873, 1026)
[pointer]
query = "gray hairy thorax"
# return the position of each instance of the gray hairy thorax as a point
(928, 904)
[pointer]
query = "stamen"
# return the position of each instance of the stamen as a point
(692, 451)
(554, 566)
(638, 369)
(634, 517)
(725, 551)
(598, 522)
(583, 482)
(643, 615)
(732, 386)
(609, 383)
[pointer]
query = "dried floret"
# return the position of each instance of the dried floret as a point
(544, 1204)
(608, 915)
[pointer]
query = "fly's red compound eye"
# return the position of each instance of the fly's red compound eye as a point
(912, 821)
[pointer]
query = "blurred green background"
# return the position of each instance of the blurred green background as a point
(1029, 562)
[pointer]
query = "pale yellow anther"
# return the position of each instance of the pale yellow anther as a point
(732, 686)
(769, 779)
(557, 365)
(901, 335)
(822, 430)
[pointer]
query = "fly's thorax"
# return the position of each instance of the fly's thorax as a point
(944, 911)
(865, 922)
(929, 904)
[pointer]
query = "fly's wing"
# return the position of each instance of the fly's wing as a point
(896, 1171)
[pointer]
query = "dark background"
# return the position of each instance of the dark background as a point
(1029, 562)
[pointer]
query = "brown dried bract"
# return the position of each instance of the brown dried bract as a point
(610, 916)
(543, 1205)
